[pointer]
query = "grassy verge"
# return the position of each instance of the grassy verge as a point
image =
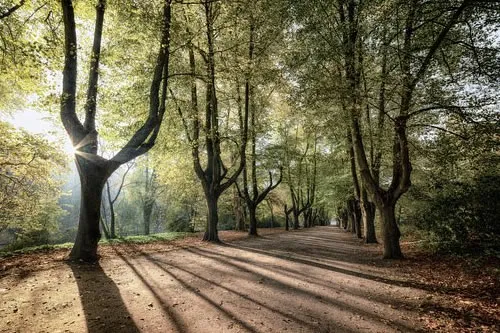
(140, 239)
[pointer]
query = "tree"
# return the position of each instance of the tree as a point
(253, 197)
(214, 177)
(29, 189)
(386, 199)
(111, 233)
(93, 169)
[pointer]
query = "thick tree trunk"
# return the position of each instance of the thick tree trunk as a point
(351, 215)
(296, 222)
(368, 214)
(212, 220)
(308, 218)
(357, 219)
(349, 221)
(391, 232)
(92, 181)
(345, 221)
(252, 214)
(342, 216)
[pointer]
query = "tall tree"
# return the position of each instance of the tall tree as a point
(214, 177)
(112, 200)
(386, 199)
(253, 197)
(93, 169)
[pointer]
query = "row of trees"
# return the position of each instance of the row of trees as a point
(388, 66)
(319, 109)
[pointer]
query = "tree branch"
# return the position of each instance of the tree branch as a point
(12, 9)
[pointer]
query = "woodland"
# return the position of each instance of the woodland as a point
(369, 126)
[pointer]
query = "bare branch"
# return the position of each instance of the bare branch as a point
(12, 10)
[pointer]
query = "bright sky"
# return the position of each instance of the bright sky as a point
(45, 124)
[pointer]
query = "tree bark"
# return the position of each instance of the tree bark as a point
(92, 179)
(392, 249)
(211, 234)
(368, 214)
(252, 214)
(296, 223)
(357, 219)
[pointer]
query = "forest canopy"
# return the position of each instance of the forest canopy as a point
(379, 116)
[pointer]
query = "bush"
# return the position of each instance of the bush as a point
(182, 224)
(463, 216)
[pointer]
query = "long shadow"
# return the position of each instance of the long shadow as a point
(157, 262)
(408, 284)
(331, 255)
(302, 292)
(300, 275)
(334, 254)
(177, 323)
(226, 313)
(102, 304)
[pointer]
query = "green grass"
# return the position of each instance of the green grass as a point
(7, 251)
(140, 239)
(143, 239)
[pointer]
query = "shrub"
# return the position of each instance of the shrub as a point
(463, 215)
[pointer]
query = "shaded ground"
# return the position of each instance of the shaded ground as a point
(317, 280)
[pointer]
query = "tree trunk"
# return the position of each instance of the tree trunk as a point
(238, 210)
(272, 213)
(104, 229)
(307, 218)
(112, 232)
(212, 219)
(368, 214)
(345, 220)
(92, 179)
(252, 213)
(287, 219)
(147, 212)
(391, 232)
(349, 220)
(357, 219)
(296, 222)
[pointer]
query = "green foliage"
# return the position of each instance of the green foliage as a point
(463, 215)
(143, 239)
(30, 48)
(19, 248)
(298, 96)
(28, 188)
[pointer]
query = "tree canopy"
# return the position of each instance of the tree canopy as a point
(380, 115)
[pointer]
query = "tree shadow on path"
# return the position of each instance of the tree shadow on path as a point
(102, 303)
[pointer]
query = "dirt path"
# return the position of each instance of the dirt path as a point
(317, 280)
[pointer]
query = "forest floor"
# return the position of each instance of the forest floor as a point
(314, 280)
